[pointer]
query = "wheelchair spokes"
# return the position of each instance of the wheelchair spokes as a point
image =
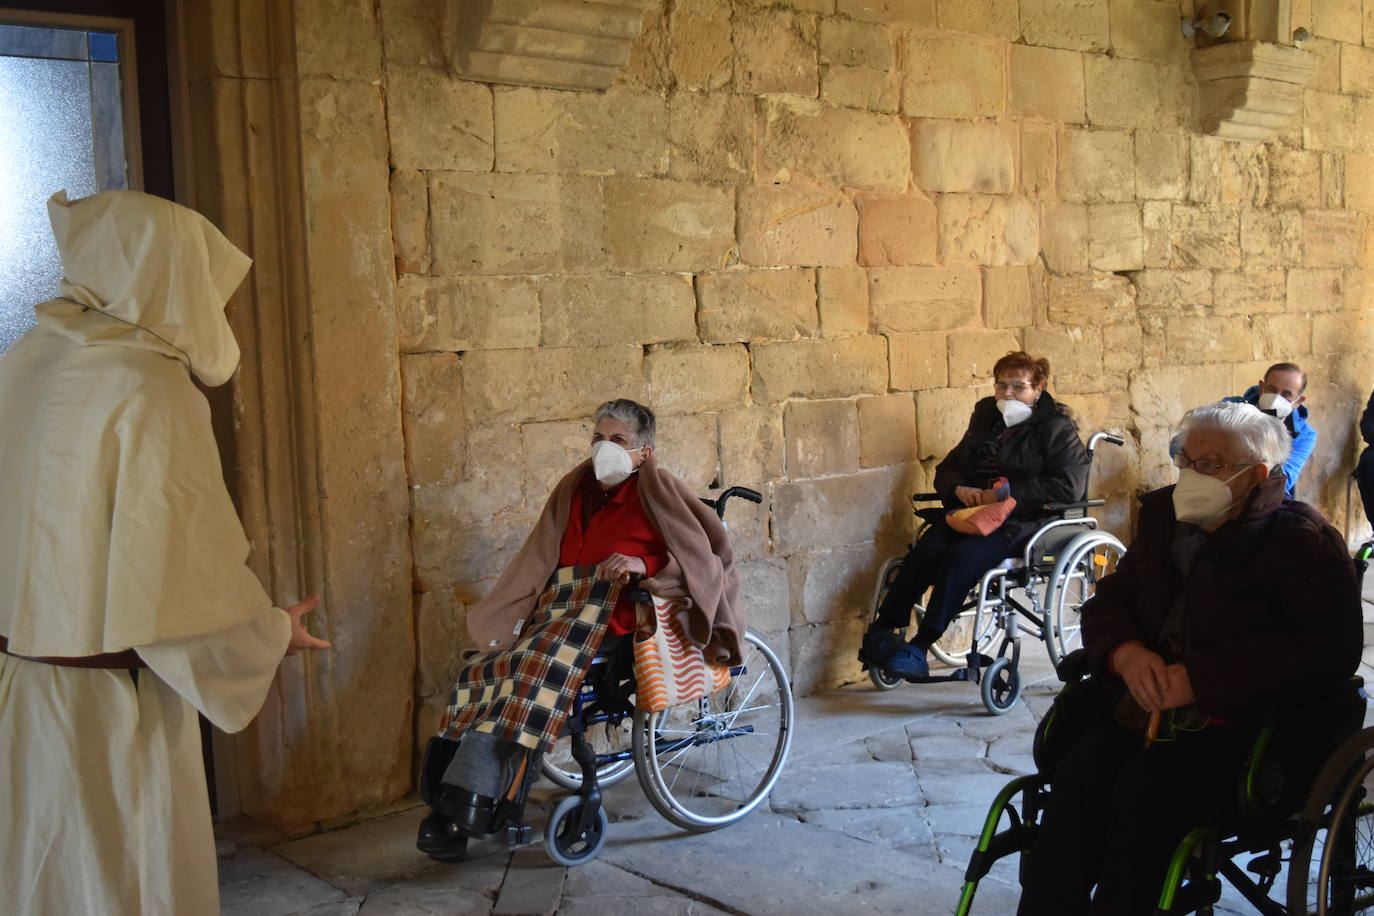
(708, 763)
(1076, 581)
(1332, 871)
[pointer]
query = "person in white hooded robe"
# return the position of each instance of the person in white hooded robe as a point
(125, 601)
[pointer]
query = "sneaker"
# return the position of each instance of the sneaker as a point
(908, 662)
(878, 646)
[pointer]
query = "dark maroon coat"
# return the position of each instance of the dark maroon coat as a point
(1272, 600)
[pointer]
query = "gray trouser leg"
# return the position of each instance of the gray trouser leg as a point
(479, 765)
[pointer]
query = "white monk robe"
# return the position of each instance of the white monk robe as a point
(116, 533)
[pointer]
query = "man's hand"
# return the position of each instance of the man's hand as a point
(1144, 672)
(619, 568)
(300, 637)
(1178, 691)
(969, 496)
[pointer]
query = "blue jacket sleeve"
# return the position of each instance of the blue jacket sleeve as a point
(1303, 445)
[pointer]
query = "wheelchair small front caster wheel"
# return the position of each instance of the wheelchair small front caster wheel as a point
(882, 680)
(1000, 686)
(569, 845)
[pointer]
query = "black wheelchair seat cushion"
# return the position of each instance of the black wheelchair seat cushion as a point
(1047, 549)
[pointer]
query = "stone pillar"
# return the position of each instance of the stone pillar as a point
(290, 160)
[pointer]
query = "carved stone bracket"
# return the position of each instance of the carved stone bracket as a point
(1250, 90)
(558, 44)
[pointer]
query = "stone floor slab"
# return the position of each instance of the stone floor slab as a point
(533, 885)
(929, 748)
(422, 900)
(979, 785)
(381, 852)
(255, 882)
(895, 827)
(890, 745)
(869, 785)
(769, 864)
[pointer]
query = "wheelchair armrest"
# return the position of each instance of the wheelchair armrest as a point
(1298, 705)
(1067, 507)
(926, 498)
(1073, 667)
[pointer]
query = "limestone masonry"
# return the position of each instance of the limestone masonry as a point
(802, 231)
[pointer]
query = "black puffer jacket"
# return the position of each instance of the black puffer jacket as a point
(1272, 600)
(1043, 458)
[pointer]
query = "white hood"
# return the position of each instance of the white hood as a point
(152, 264)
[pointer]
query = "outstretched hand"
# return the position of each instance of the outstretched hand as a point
(300, 636)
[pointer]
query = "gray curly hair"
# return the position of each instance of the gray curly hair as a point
(1262, 437)
(638, 418)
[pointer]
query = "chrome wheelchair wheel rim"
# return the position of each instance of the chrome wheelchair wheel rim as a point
(710, 762)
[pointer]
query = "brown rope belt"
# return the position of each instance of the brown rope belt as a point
(126, 659)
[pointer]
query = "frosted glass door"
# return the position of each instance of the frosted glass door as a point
(63, 126)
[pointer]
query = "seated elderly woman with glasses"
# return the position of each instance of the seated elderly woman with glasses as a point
(614, 517)
(1228, 593)
(1021, 434)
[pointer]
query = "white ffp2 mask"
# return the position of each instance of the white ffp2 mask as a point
(1013, 411)
(611, 463)
(1203, 500)
(1279, 404)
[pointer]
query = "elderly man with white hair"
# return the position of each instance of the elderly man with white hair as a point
(1228, 594)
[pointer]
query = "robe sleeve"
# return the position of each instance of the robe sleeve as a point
(224, 675)
(177, 563)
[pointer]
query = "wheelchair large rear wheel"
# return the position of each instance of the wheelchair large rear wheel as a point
(1332, 867)
(709, 762)
(1084, 562)
(610, 738)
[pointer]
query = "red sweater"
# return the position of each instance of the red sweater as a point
(602, 523)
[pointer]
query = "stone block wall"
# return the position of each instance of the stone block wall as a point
(803, 231)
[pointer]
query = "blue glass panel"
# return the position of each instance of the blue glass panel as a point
(104, 46)
(26, 41)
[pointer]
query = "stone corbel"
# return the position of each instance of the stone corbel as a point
(557, 44)
(1251, 80)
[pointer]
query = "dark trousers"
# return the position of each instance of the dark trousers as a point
(1364, 476)
(951, 563)
(1116, 812)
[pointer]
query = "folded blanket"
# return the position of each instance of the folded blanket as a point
(524, 694)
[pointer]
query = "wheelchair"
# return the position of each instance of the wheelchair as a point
(703, 764)
(1057, 572)
(1315, 847)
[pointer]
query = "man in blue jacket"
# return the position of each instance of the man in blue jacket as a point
(1280, 393)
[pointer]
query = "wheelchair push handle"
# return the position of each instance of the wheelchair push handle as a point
(1104, 437)
(742, 492)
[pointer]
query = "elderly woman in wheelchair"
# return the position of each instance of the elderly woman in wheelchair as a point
(563, 607)
(1021, 434)
(1229, 598)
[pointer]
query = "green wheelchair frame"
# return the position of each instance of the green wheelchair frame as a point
(1269, 814)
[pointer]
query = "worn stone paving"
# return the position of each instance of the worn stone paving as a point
(876, 812)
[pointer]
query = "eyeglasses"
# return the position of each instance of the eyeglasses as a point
(1014, 387)
(1205, 465)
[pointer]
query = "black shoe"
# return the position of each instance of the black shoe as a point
(878, 646)
(441, 840)
(473, 814)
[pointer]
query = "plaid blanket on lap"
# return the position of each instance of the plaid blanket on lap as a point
(524, 693)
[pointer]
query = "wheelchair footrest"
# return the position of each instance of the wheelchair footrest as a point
(518, 834)
(959, 674)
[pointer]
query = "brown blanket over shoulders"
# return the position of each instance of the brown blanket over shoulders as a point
(700, 575)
